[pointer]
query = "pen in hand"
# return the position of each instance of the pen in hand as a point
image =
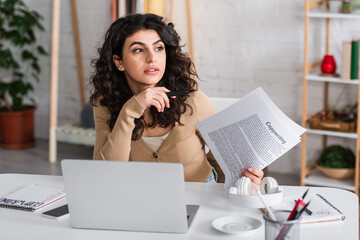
(179, 93)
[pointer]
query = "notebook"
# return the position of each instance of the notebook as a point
(131, 196)
(321, 209)
(32, 197)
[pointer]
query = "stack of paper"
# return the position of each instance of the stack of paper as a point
(253, 132)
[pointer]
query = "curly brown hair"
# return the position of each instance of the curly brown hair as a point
(110, 87)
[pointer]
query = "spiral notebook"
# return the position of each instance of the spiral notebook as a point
(32, 197)
(322, 210)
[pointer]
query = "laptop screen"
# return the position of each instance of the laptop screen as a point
(133, 196)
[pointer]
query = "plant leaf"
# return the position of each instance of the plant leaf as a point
(41, 50)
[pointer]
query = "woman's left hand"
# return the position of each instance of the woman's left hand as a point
(255, 175)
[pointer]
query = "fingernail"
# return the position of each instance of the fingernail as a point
(250, 169)
(243, 169)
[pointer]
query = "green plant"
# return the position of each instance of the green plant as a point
(346, 6)
(18, 52)
(336, 156)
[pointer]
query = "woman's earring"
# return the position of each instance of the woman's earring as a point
(120, 68)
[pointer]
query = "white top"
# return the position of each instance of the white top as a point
(155, 142)
(213, 203)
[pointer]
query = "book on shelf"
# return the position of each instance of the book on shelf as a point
(346, 61)
(122, 8)
(321, 209)
(354, 59)
(32, 197)
(253, 132)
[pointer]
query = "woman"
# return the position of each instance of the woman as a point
(140, 61)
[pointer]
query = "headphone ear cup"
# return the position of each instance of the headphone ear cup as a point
(243, 186)
(268, 185)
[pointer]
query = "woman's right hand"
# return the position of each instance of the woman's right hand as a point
(154, 96)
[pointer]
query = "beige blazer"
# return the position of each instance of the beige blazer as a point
(182, 145)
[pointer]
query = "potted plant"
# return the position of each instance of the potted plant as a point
(336, 162)
(18, 66)
(346, 6)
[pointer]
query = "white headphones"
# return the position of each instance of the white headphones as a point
(269, 185)
(243, 186)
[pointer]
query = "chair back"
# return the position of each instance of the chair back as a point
(222, 103)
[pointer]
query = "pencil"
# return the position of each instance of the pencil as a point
(179, 93)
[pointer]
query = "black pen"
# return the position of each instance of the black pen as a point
(306, 209)
(297, 203)
(179, 93)
(302, 199)
(302, 210)
(303, 196)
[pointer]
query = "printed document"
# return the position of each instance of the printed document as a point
(253, 132)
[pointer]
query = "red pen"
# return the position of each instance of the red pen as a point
(285, 231)
(306, 209)
(292, 215)
(298, 202)
(295, 209)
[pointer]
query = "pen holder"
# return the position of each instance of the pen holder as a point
(281, 229)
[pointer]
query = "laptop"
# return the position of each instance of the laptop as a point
(130, 196)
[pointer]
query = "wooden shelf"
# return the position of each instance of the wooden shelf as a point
(317, 178)
(332, 133)
(316, 77)
(316, 10)
(325, 14)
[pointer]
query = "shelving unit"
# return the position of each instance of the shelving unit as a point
(309, 174)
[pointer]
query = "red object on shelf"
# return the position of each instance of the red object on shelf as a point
(328, 64)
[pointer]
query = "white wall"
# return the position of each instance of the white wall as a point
(239, 45)
(94, 18)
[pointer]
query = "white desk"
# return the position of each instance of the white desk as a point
(16, 224)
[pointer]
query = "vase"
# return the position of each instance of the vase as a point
(335, 6)
(17, 129)
(328, 64)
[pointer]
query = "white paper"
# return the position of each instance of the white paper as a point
(253, 132)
